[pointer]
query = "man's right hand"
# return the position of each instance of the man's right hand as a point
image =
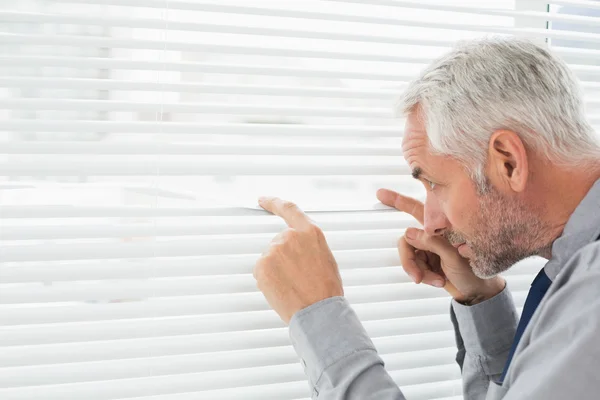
(434, 261)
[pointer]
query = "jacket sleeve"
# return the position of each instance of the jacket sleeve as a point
(484, 334)
(341, 362)
(339, 359)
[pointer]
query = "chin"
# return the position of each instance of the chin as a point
(488, 269)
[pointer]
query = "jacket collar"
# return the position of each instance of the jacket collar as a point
(583, 227)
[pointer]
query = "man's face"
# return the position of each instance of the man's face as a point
(492, 229)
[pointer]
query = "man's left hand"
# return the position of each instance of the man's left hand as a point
(298, 268)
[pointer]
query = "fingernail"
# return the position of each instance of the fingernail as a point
(411, 233)
(439, 284)
(412, 277)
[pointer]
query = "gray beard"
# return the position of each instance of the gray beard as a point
(506, 231)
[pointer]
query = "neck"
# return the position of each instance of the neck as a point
(558, 192)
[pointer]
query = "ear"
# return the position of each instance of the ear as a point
(507, 161)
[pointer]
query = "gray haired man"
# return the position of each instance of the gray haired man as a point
(496, 132)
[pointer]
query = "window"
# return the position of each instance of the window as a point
(135, 139)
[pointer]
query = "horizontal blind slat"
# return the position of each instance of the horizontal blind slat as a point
(181, 384)
(217, 266)
(296, 391)
(224, 290)
(439, 6)
(207, 378)
(215, 324)
(170, 267)
(216, 68)
(252, 342)
(266, 130)
(481, 10)
(197, 67)
(214, 108)
(578, 3)
(224, 48)
(37, 232)
(58, 167)
(220, 28)
(192, 87)
(574, 55)
(311, 15)
(144, 148)
(255, 244)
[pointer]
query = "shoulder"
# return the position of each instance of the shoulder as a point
(586, 260)
(576, 288)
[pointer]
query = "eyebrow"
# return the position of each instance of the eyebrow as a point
(416, 173)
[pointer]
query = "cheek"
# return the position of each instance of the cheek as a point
(460, 207)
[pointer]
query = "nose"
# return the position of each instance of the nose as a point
(435, 222)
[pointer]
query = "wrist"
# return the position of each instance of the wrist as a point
(488, 289)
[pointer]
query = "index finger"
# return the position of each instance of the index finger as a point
(293, 216)
(402, 203)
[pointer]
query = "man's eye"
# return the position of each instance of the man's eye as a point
(430, 184)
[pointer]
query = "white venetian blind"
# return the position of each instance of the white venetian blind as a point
(135, 134)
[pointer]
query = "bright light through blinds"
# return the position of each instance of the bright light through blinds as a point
(135, 132)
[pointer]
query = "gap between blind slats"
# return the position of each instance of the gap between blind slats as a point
(100, 148)
(218, 266)
(38, 232)
(270, 342)
(199, 128)
(310, 15)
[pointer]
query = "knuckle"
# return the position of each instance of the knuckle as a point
(315, 229)
(288, 205)
(290, 234)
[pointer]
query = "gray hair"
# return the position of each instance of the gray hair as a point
(496, 83)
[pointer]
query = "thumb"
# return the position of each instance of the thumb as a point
(435, 244)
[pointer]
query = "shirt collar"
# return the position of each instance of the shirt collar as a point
(583, 227)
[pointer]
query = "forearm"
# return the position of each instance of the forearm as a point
(339, 359)
(484, 334)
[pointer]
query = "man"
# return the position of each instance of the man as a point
(496, 132)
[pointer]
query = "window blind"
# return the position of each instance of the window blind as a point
(137, 135)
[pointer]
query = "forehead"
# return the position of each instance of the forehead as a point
(415, 143)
